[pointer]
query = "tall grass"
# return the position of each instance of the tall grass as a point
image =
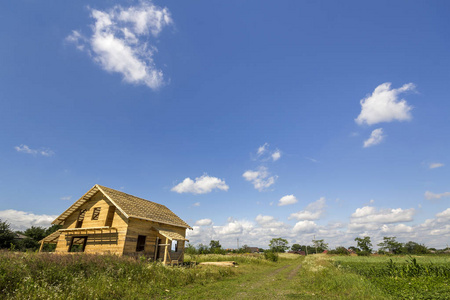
(83, 276)
(403, 277)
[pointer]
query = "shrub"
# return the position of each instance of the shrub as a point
(271, 255)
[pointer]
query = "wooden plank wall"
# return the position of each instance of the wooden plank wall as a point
(98, 243)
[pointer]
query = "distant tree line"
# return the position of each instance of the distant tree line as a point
(27, 240)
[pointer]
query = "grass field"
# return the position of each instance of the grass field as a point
(47, 276)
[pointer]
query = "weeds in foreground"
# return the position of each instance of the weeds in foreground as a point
(404, 278)
(83, 276)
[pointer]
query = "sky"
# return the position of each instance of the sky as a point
(251, 120)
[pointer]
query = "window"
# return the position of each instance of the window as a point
(174, 246)
(110, 216)
(140, 243)
(81, 218)
(78, 244)
(96, 213)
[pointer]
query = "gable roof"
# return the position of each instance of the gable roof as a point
(129, 205)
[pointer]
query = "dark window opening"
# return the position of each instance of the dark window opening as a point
(110, 216)
(174, 246)
(78, 244)
(140, 243)
(81, 218)
(96, 213)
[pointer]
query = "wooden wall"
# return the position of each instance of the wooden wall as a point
(96, 243)
(124, 241)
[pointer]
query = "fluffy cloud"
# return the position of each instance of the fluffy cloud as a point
(444, 215)
(305, 226)
(430, 196)
(369, 214)
(204, 222)
(276, 155)
(259, 178)
(396, 229)
(435, 165)
(287, 200)
(66, 198)
(375, 138)
(268, 221)
(201, 185)
(120, 41)
(25, 149)
(313, 211)
(384, 106)
(21, 220)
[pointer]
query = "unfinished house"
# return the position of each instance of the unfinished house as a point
(107, 221)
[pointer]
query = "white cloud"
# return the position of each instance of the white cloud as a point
(120, 41)
(369, 214)
(196, 204)
(375, 138)
(66, 198)
(201, 185)
(42, 151)
(268, 221)
(259, 178)
(263, 153)
(395, 229)
(445, 214)
(262, 149)
(287, 200)
(435, 165)
(276, 155)
(305, 226)
(384, 106)
(204, 222)
(430, 196)
(312, 211)
(21, 220)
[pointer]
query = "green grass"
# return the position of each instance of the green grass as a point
(81, 276)
(403, 277)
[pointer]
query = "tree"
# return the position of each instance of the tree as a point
(320, 245)
(6, 235)
(365, 245)
(415, 248)
(278, 245)
(389, 244)
(296, 247)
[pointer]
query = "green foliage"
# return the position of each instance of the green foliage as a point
(271, 255)
(320, 245)
(296, 247)
(278, 245)
(6, 235)
(390, 244)
(339, 251)
(364, 244)
(82, 276)
(413, 278)
(415, 248)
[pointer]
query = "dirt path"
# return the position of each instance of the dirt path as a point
(254, 282)
(294, 271)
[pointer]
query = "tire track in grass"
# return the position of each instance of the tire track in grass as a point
(294, 272)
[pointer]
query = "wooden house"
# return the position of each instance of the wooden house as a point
(108, 221)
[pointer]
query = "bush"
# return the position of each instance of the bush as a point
(363, 253)
(271, 255)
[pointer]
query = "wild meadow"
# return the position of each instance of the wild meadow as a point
(402, 277)
(30, 275)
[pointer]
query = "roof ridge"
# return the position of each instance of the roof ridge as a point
(102, 186)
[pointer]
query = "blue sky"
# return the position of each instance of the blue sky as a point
(250, 120)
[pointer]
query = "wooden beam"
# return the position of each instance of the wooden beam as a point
(42, 245)
(165, 251)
